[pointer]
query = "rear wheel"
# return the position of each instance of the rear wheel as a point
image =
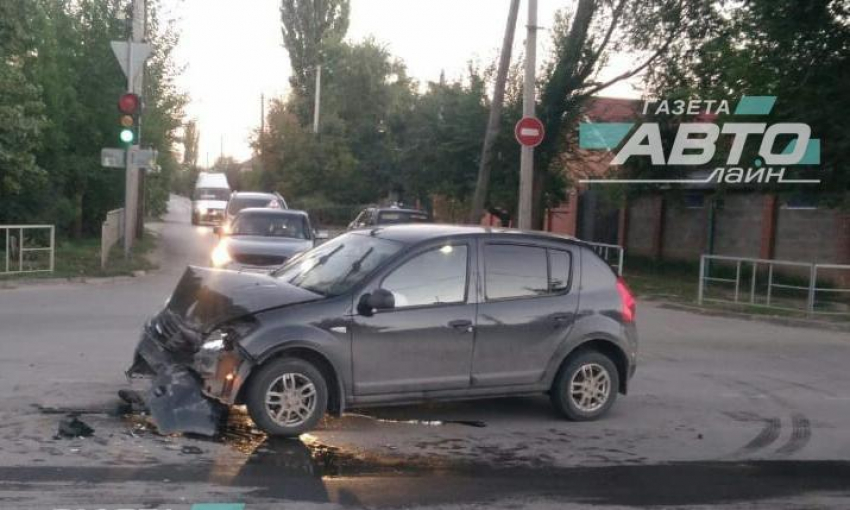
(586, 386)
(287, 397)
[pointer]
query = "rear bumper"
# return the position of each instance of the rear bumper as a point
(210, 217)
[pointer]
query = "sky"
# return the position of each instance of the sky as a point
(232, 53)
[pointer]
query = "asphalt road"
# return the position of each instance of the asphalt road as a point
(722, 412)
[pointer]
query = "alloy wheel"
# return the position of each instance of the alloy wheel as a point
(291, 400)
(590, 387)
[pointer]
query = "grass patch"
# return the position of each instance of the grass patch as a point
(81, 258)
(676, 281)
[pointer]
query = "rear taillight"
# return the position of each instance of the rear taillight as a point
(627, 300)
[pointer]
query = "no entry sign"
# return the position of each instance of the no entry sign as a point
(529, 132)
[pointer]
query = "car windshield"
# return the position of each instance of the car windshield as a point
(238, 203)
(338, 265)
(396, 217)
(270, 225)
(211, 194)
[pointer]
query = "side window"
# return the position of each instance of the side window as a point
(515, 271)
(437, 276)
(560, 269)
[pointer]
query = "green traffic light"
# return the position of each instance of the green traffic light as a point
(127, 135)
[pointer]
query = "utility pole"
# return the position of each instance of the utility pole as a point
(317, 107)
(134, 85)
(494, 122)
(526, 174)
(262, 125)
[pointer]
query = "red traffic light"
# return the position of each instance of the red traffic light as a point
(129, 104)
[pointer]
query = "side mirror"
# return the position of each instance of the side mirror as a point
(380, 299)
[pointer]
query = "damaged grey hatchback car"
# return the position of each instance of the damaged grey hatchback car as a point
(394, 315)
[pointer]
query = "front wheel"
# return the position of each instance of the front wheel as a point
(287, 397)
(586, 386)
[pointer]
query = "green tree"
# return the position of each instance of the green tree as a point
(584, 41)
(443, 138)
(356, 157)
(164, 109)
(21, 111)
(191, 139)
(310, 28)
(797, 51)
(58, 85)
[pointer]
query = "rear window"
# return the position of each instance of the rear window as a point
(211, 194)
(237, 204)
(270, 225)
(395, 217)
(513, 271)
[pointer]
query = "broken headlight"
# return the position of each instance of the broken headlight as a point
(224, 337)
(218, 361)
(213, 345)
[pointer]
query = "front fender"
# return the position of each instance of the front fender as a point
(330, 342)
(267, 343)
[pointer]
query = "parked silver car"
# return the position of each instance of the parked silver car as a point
(393, 315)
(263, 239)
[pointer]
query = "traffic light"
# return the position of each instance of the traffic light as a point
(129, 105)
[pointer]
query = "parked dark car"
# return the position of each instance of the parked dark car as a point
(397, 315)
(382, 216)
(263, 239)
(252, 199)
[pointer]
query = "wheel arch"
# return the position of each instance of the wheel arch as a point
(336, 391)
(608, 348)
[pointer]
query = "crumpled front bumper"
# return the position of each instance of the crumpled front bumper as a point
(188, 391)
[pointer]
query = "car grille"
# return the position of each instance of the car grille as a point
(259, 260)
(166, 325)
(167, 329)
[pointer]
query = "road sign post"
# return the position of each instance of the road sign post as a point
(529, 132)
(526, 173)
(131, 55)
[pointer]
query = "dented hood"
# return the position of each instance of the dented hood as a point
(206, 298)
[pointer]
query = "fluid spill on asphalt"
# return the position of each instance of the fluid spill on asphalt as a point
(310, 471)
(426, 423)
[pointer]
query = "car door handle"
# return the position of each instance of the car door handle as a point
(462, 325)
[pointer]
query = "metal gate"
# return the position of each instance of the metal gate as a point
(28, 249)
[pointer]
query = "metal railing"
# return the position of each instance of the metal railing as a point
(802, 278)
(611, 253)
(15, 260)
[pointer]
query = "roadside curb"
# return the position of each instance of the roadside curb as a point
(781, 321)
(84, 280)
